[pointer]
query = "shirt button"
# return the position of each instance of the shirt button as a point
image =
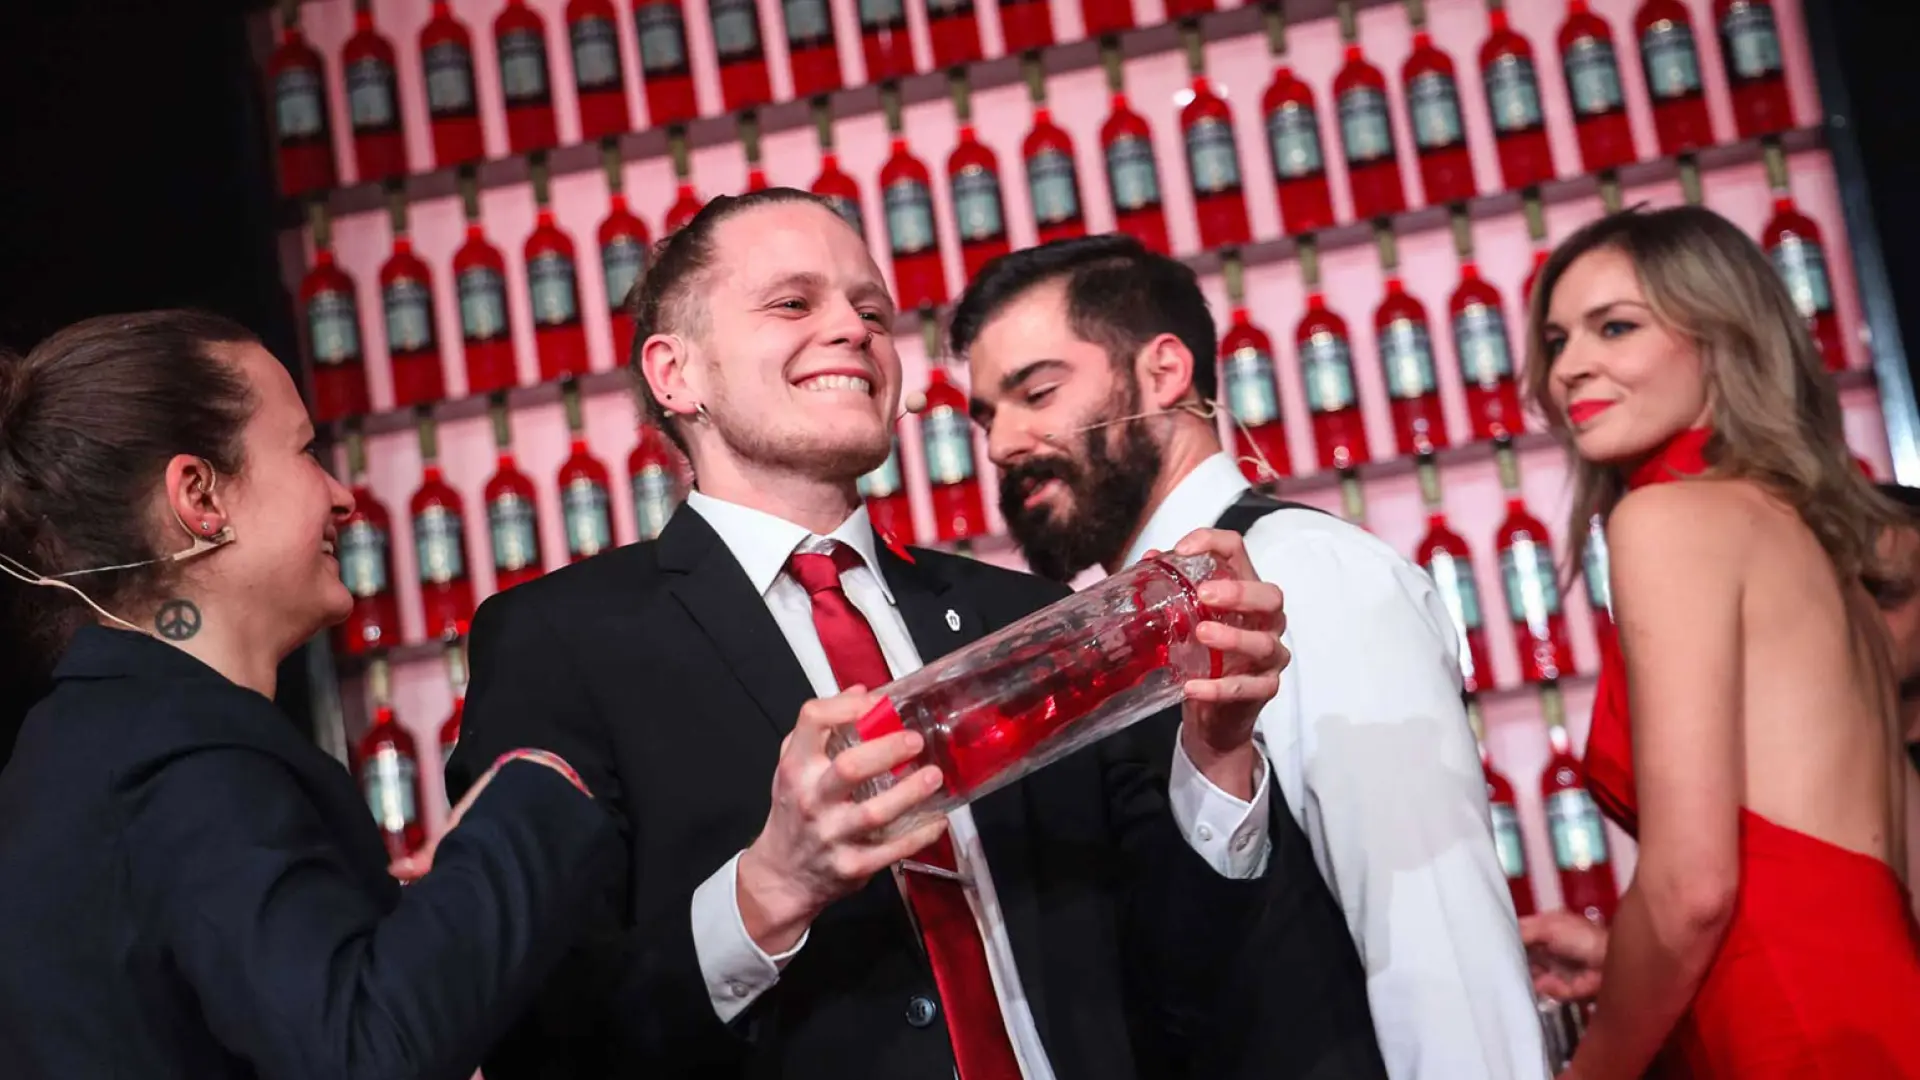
(921, 1010)
(1204, 832)
(736, 989)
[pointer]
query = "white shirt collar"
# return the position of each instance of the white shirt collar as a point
(761, 542)
(1196, 502)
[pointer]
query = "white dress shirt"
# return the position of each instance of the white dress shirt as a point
(1229, 833)
(1370, 744)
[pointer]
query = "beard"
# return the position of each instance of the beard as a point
(1107, 488)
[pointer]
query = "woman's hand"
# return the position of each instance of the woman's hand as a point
(1566, 953)
(412, 868)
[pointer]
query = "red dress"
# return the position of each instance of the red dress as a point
(1819, 975)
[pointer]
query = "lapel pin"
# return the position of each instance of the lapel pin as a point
(953, 620)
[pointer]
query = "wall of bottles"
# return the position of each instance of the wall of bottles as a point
(1271, 157)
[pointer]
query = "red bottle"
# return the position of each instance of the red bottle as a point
(1326, 366)
(1756, 75)
(659, 477)
(664, 68)
(812, 57)
(1504, 816)
(1513, 97)
(300, 114)
(1792, 241)
(1533, 274)
(1671, 61)
(1373, 167)
(440, 553)
(373, 100)
(885, 491)
(585, 505)
(623, 257)
(1133, 178)
(1447, 559)
(1299, 163)
(1185, 9)
(1053, 185)
(413, 342)
(365, 549)
(1596, 568)
(594, 40)
(918, 279)
(946, 435)
(559, 337)
(1213, 168)
(1486, 357)
(480, 276)
(756, 178)
(840, 191)
(520, 41)
(1439, 131)
(954, 31)
(741, 52)
(453, 112)
(686, 204)
(1573, 821)
(1252, 393)
(1102, 17)
(457, 678)
(1593, 87)
(978, 210)
(1027, 24)
(1533, 595)
(884, 40)
(513, 514)
(390, 779)
(333, 337)
(1406, 355)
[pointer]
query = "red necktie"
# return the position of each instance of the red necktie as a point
(958, 956)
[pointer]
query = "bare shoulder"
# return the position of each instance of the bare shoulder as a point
(1712, 521)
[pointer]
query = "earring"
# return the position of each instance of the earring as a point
(700, 411)
(205, 525)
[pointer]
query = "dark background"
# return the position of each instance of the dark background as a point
(136, 172)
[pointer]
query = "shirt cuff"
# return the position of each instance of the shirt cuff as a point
(1230, 834)
(737, 970)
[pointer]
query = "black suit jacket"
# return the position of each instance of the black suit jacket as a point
(659, 672)
(188, 888)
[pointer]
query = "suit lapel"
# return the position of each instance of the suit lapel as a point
(710, 584)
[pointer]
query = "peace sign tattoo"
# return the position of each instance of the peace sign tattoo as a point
(177, 620)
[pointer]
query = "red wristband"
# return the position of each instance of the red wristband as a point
(545, 757)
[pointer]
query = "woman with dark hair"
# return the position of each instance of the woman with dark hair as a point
(187, 887)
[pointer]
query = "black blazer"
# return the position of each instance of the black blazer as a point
(188, 888)
(659, 672)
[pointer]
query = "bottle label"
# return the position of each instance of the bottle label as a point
(1593, 78)
(1752, 41)
(882, 15)
(736, 29)
(298, 104)
(389, 778)
(909, 216)
(335, 326)
(1594, 567)
(976, 205)
(1132, 175)
(1803, 267)
(1052, 187)
(654, 500)
(449, 80)
(483, 304)
(885, 480)
(589, 525)
(363, 559)
(550, 280)
(1453, 579)
(516, 543)
(621, 261)
(1480, 337)
(1294, 138)
(370, 95)
(1513, 94)
(596, 54)
(1532, 594)
(523, 68)
(1363, 126)
(947, 435)
(1672, 63)
(1252, 393)
(1210, 157)
(409, 316)
(849, 212)
(663, 38)
(1327, 363)
(1506, 840)
(1406, 349)
(1434, 102)
(1579, 840)
(438, 546)
(809, 24)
